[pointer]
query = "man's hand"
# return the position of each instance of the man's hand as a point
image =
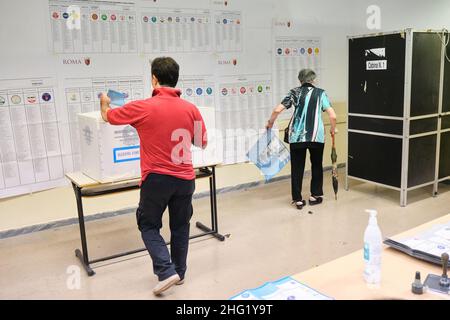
(269, 125)
(104, 99)
(104, 106)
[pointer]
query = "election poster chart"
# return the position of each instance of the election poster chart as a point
(176, 30)
(290, 55)
(82, 95)
(30, 151)
(92, 26)
(228, 31)
(244, 105)
(199, 90)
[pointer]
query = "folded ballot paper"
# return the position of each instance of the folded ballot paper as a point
(269, 154)
(117, 98)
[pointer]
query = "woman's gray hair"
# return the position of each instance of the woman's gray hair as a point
(306, 75)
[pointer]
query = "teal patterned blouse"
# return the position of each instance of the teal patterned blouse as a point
(307, 124)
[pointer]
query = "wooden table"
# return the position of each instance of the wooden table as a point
(84, 186)
(343, 278)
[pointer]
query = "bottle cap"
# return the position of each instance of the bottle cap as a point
(373, 213)
(373, 216)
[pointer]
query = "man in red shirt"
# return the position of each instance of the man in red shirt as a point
(167, 126)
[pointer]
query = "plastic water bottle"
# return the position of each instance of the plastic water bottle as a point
(372, 250)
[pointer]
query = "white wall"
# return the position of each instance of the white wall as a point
(401, 14)
(330, 21)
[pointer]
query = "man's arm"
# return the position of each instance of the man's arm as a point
(130, 113)
(275, 113)
(332, 116)
(104, 106)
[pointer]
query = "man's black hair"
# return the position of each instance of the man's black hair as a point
(166, 70)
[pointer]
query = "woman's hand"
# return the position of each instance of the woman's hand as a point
(274, 116)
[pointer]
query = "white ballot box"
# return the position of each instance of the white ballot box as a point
(111, 153)
(214, 150)
(108, 153)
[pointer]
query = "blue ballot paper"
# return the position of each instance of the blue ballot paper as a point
(117, 98)
(283, 289)
(269, 154)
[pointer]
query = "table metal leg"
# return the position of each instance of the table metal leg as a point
(82, 255)
(214, 231)
(214, 192)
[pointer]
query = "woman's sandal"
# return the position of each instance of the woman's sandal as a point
(299, 204)
(317, 200)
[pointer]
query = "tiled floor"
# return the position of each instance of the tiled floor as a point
(269, 239)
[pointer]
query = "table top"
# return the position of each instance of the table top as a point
(84, 181)
(343, 278)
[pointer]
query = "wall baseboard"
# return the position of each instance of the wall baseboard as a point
(99, 216)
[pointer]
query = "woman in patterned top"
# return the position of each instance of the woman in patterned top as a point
(306, 132)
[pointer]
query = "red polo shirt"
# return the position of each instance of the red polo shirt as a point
(166, 125)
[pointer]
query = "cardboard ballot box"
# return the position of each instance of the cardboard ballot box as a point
(112, 153)
(108, 153)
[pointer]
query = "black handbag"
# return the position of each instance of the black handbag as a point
(286, 131)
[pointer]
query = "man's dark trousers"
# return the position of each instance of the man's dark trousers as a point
(157, 193)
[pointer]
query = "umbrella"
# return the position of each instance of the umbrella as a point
(334, 168)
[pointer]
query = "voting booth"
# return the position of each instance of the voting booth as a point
(444, 152)
(398, 123)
